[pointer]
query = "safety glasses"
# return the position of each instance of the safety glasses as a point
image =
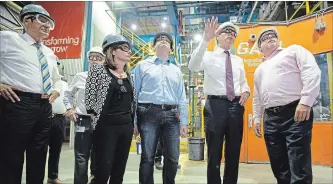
(229, 32)
(267, 36)
(162, 37)
(43, 20)
(96, 57)
(124, 48)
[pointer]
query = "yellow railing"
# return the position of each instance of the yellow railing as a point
(138, 56)
(136, 40)
(144, 48)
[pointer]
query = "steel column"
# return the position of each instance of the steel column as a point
(88, 34)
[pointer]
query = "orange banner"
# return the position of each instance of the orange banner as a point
(65, 40)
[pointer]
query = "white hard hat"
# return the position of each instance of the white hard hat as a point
(230, 25)
(96, 50)
(262, 32)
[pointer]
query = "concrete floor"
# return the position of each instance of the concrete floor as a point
(190, 172)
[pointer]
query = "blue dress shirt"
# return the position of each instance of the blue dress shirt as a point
(161, 82)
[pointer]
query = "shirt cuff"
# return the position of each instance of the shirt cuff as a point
(68, 106)
(57, 90)
(307, 100)
(257, 120)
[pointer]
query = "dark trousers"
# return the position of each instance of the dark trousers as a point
(223, 121)
(27, 125)
(112, 144)
(57, 136)
(159, 151)
(289, 145)
(83, 150)
(155, 123)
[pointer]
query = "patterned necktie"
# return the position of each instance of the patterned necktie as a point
(229, 77)
(44, 69)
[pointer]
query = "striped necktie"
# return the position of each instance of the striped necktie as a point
(44, 69)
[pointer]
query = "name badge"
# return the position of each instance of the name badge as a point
(80, 128)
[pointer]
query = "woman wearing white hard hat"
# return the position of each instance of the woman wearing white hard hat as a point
(110, 97)
(83, 120)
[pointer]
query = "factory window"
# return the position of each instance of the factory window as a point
(323, 106)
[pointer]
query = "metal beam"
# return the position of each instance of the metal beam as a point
(133, 10)
(315, 7)
(142, 15)
(187, 5)
(300, 6)
(251, 14)
(159, 14)
(172, 12)
(191, 16)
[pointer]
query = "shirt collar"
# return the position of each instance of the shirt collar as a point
(273, 54)
(156, 59)
(221, 50)
(29, 39)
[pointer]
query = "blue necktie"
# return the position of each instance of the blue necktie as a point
(44, 69)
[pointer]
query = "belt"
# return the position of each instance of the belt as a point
(159, 106)
(83, 116)
(32, 95)
(58, 115)
(278, 109)
(223, 97)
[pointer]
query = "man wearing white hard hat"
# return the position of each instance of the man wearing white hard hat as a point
(29, 84)
(227, 91)
(78, 114)
(286, 85)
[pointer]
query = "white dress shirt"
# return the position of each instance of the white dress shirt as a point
(58, 106)
(76, 91)
(20, 66)
(213, 64)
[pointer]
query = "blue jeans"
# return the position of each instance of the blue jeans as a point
(155, 123)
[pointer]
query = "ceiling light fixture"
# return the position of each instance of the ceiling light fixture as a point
(197, 38)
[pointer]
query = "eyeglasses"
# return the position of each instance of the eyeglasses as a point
(94, 57)
(43, 20)
(124, 48)
(160, 38)
(229, 32)
(267, 36)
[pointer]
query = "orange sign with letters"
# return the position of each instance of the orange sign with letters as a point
(65, 40)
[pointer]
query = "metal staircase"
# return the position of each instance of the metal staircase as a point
(141, 49)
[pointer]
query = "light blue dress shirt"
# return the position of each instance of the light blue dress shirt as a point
(161, 82)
